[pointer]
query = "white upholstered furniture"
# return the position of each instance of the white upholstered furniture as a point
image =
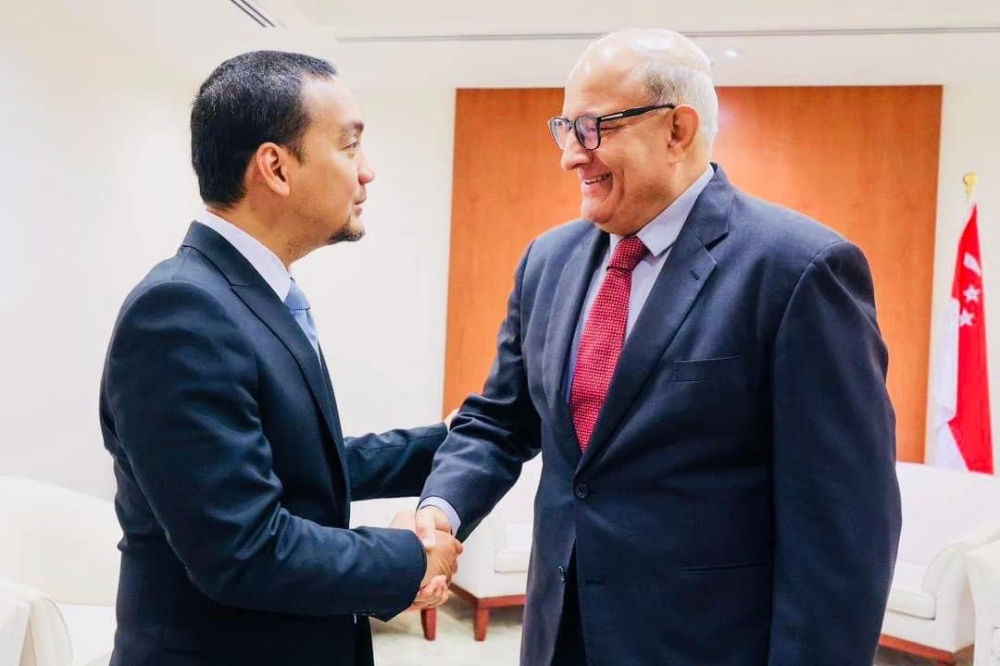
(14, 612)
(59, 556)
(493, 570)
(984, 578)
(945, 515)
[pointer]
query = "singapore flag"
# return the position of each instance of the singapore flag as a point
(961, 392)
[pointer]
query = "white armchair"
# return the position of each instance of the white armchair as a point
(984, 578)
(945, 515)
(493, 570)
(59, 557)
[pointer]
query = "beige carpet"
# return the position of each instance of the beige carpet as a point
(401, 641)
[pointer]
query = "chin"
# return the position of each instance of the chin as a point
(595, 217)
(349, 233)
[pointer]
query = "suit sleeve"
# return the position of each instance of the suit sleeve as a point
(394, 463)
(180, 383)
(493, 434)
(836, 498)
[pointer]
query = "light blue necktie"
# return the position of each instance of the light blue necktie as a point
(298, 305)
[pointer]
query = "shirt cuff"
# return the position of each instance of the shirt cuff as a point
(449, 511)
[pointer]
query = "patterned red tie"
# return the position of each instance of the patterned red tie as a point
(602, 339)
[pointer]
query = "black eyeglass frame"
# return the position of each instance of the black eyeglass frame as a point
(608, 117)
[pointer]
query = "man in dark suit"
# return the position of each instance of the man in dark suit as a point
(234, 479)
(704, 377)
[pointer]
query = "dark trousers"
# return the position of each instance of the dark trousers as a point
(570, 648)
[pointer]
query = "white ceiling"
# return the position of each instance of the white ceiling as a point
(525, 43)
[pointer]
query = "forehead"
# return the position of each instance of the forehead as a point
(329, 102)
(604, 83)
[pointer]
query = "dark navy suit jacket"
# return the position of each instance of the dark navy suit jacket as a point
(738, 504)
(235, 481)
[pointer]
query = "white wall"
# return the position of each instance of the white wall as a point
(970, 141)
(97, 187)
(381, 303)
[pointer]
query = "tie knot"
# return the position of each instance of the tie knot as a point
(296, 299)
(628, 253)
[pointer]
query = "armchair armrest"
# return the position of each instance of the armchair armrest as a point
(48, 642)
(14, 612)
(984, 577)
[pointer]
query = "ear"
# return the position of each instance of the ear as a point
(684, 124)
(270, 167)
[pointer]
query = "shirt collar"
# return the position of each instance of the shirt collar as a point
(260, 257)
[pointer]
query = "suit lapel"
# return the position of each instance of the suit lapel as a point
(567, 303)
(684, 274)
(338, 435)
(254, 291)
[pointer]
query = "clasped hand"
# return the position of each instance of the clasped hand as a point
(434, 530)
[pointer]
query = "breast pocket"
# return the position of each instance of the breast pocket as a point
(706, 369)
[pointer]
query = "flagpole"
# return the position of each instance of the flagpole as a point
(969, 179)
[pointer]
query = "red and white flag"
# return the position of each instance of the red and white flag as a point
(961, 393)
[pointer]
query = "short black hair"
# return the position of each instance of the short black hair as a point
(248, 100)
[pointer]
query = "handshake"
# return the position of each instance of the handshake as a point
(434, 530)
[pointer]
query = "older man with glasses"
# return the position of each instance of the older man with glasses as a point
(704, 377)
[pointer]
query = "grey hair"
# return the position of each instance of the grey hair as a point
(676, 84)
(677, 71)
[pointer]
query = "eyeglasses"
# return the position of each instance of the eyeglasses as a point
(588, 128)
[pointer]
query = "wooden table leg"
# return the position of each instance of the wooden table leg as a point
(429, 620)
(481, 621)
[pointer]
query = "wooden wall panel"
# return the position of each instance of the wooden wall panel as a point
(861, 160)
(865, 162)
(507, 188)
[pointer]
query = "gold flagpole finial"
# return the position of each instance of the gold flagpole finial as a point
(970, 183)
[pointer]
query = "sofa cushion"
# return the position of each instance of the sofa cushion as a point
(906, 595)
(91, 631)
(514, 557)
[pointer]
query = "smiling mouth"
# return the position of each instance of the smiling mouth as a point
(599, 179)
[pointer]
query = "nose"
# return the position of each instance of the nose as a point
(366, 173)
(573, 154)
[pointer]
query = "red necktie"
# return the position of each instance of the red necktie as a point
(602, 339)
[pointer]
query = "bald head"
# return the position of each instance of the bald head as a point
(669, 67)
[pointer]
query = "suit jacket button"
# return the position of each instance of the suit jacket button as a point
(581, 491)
(562, 574)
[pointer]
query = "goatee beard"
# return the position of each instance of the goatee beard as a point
(347, 234)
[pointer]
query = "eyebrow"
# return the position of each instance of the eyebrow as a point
(352, 127)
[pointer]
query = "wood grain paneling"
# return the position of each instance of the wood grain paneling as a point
(507, 188)
(862, 160)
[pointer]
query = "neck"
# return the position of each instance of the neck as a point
(687, 173)
(683, 177)
(265, 229)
